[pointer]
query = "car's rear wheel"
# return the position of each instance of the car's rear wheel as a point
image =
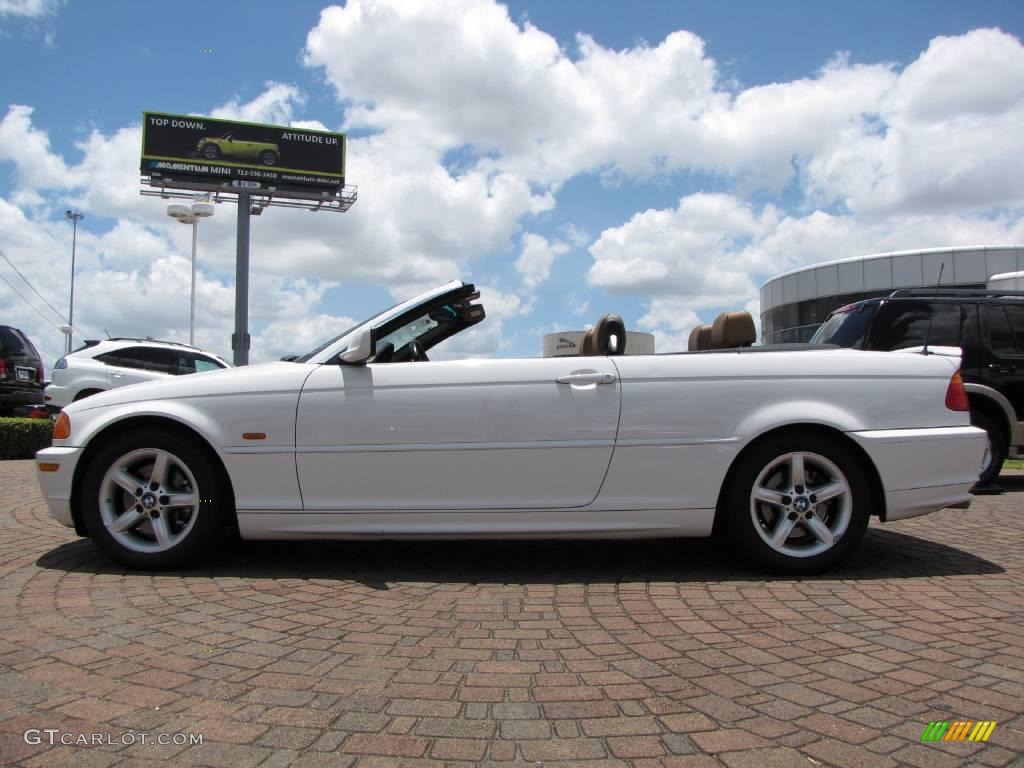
(152, 499)
(211, 151)
(995, 447)
(268, 158)
(798, 502)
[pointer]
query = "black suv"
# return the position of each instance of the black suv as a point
(987, 325)
(21, 371)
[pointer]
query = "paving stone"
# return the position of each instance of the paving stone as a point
(651, 654)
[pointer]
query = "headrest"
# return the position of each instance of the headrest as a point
(605, 328)
(587, 344)
(733, 329)
(700, 338)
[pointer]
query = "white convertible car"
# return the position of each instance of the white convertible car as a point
(786, 452)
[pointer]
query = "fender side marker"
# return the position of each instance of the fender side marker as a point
(254, 435)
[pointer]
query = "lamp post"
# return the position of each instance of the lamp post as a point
(201, 208)
(74, 217)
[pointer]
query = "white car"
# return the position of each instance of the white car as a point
(111, 363)
(787, 452)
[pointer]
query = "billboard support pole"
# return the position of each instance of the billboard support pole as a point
(240, 338)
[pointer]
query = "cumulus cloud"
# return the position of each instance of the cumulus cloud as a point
(28, 148)
(688, 251)
(537, 256)
(27, 8)
(853, 158)
(275, 105)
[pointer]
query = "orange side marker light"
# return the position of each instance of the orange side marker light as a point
(62, 427)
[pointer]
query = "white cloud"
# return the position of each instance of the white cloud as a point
(946, 135)
(29, 149)
(275, 105)
(688, 251)
(872, 157)
(537, 256)
(28, 8)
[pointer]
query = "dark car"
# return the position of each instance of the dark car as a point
(21, 371)
(987, 325)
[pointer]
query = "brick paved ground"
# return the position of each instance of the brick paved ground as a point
(593, 654)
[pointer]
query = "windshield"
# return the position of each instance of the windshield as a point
(380, 318)
(846, 327)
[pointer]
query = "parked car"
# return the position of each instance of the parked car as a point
(111, 363)
(266, 152)
(986, 324)
(21, 371)
(786, 452)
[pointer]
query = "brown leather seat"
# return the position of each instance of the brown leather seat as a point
(607, 337)
(733, 329)
(700, 338)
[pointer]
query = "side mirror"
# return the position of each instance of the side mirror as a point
(360, 348)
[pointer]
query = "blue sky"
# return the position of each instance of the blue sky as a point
(659, 160)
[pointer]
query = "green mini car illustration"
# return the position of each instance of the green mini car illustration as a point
(264, 152)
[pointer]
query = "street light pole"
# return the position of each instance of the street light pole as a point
(74, 217)
(192, 302)
(191, 214)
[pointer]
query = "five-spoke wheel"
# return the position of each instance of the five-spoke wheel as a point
(799, 502)
(153, 500)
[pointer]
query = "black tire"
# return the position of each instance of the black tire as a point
(211, 151)
(86, 393)
(268, 157)
(740, 510)
(208, 517)
(997, 448)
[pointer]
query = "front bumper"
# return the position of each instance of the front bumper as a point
(924, 470)
(56, 484)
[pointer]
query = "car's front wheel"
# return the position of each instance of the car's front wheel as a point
(151, 499)
(798, 502)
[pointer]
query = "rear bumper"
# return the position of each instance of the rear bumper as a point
(56, 485)
(924, 470)
(58, 396)
(20, 395)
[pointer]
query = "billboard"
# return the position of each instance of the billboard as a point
(206, 153)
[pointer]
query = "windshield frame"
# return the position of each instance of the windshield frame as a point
(335, 346)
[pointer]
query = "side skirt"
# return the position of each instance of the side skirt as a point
(483, 524)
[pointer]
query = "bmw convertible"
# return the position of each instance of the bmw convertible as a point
(786, 453)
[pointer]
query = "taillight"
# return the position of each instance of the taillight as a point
(39, 374)
(3, 369)
(62, 427)
(956, 395)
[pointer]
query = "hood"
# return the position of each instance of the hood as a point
(274, 376)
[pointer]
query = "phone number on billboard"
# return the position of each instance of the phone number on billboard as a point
(257, 174)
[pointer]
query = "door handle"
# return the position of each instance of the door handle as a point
(586, 378)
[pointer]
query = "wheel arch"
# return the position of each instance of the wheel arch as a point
(86, 392)
(877, 490)
(122, 426)
(982, 401)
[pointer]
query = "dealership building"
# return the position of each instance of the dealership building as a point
(795, 303)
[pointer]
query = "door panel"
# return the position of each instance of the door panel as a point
(463, 434)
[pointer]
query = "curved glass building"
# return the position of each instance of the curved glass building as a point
(795, 303)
